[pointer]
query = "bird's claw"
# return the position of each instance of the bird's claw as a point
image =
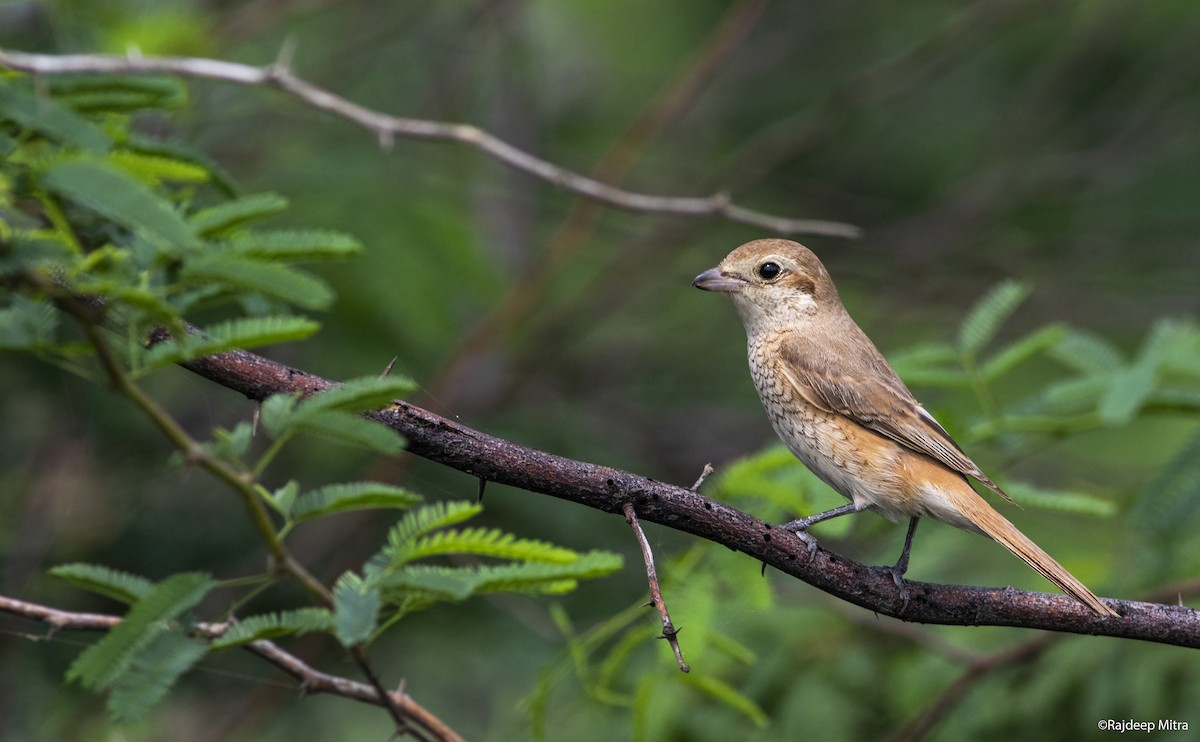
(897, 574)
(797, 527)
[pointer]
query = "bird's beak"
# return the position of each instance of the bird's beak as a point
(714, 280)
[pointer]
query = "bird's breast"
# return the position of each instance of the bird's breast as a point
(859, 464)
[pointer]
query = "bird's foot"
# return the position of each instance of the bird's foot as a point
(798, 527)
(897, 573)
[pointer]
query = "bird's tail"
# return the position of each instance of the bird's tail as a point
(995, 525)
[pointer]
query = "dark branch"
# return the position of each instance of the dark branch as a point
(606, 489)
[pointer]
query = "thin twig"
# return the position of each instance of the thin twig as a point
(669, 632)
(312, 680)
(387, 127)
(708, 469)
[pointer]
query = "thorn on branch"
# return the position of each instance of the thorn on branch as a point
(388, 368)
(669, 632)
(708, 469)
(482, 486)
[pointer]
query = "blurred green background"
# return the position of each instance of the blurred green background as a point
(1052, 143)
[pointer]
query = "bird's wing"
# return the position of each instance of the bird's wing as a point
(879, 402)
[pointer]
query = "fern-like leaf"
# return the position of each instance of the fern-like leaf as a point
(726, 694)
(1035, 343)
(933, 364)
(355, 609)
(102, 663)
(154, 169)
(223, 218)
(294, 245)
(1066, 501)
(342, 498)
(245, 332)
(122, 586)
(346, 427)
(247, 274)
(484, 542)
(361, 394)
(988, 314)
(1087, 353)
(1172, 499)
(427, 519)
(276, 413)
(1128, 389)
(423, 584)
(50, 119)
(119, 93)
(546, 578)
(274, 625)
(119, 196)
(151, 673)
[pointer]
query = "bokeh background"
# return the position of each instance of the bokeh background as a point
(1054, 143)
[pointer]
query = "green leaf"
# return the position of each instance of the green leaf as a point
(365, 393)
(102, 663)
(429, 584)
(932, 364)
(223, 218)
(1087, 352)
(355, 610)
(484, 542)
(275, 625)
(341, 498)
(112, 583)
(151, 673)
(294, 245)
(119, 93)
(546, 578)
(348, 428)
(427, 519)
(985, 319)
(246, 332)
(1016, 353)
(271, 279)
(284, 498)
(1076, 394)
(1067, 501)
(154, 169)
(231, 445)
(726, 694)
(1172, 500)
(1127, 390)
(276, 413)
(51, 119)
(120, 197)
(27, 324)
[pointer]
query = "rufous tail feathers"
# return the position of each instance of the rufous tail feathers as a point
(997, 527)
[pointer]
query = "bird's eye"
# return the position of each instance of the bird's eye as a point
(769, 271)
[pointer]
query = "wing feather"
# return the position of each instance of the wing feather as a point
(880, 402)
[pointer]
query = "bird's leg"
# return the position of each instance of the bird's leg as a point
(800, 527)
(902, 564)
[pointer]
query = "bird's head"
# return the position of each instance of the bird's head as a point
(772, 283)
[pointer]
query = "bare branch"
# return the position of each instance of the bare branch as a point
(607, 489)
(312, 680)
(386, 127)
(669, 632)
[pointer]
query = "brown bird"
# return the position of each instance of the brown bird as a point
(841, 409)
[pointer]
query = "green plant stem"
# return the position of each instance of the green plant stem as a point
(241, 482)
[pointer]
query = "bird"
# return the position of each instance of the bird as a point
(840, 408)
